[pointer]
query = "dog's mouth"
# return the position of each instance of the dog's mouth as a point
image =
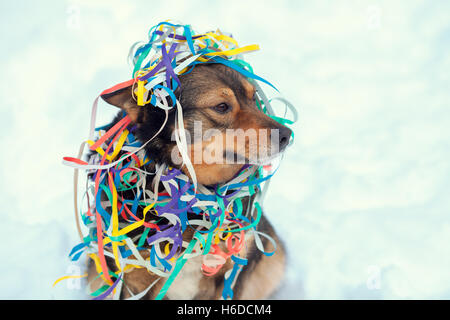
(232, 157)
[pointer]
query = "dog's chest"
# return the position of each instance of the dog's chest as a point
(186, 285)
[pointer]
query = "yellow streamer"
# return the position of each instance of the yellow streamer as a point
(69, 277)
(140, 93)
(115, 222)
(167, 251)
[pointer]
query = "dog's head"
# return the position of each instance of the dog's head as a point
(224, 126)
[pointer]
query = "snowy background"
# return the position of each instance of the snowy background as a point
(362, 196)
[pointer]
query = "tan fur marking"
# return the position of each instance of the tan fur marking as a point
(132, 111)
(92, 273)
(210, 173)
(137, 280)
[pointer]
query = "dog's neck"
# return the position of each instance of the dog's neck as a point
(168, 180)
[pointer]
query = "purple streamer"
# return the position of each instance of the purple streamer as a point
(172, 173)
(153, 71)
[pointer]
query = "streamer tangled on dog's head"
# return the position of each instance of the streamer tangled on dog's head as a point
(121, 163)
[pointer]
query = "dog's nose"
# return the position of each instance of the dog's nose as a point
(285, 136)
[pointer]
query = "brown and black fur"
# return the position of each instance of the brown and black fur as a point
(201, 90)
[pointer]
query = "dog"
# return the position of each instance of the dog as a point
(220, 98)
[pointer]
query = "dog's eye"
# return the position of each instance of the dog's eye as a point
(222, 108)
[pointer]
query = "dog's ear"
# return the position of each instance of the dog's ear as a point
(123, 99)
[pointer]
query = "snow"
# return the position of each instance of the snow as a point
(360, 198)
